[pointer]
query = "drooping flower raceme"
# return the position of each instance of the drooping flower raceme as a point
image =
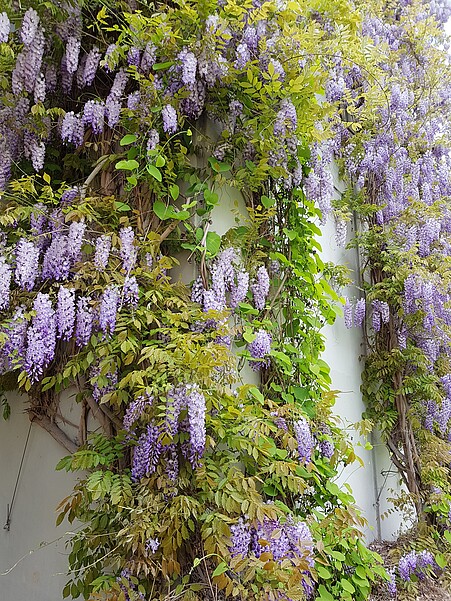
(196, 419)
(102, 253)
(169, 117)
(128, 251)
(260, 288)
(260, 348)
(84, 322)
(146, 454)
(108, 309)
(41, 337)
(65, 312)
(304, 439)
(27, 264)
(5, 283)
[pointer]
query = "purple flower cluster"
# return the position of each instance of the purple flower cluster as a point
(109, 305)
(27, 264)
(260, 288)
(354, 314)
(65, 313)
(135, 410)
(418, 564)
(169, 117)
(128, 251)
(41, 337)
(304, 439)
(260, 349)
(283, 540)
(5, 283)
(146, 453)
(102, 253)
(5, 27)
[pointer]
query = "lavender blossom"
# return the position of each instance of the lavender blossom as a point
(128, 251)
(260, 348)
(148, 58)
(108, 309)
(130, 291)
(38, 155)
(348, 314)
(72, 129)
(91, 66)
(152, 545)
(39, 90)
(68, 196)
(72, 54)
(189, 67)
(5, 28)
(103, 247)
(29, 27)
(65, 313)
(153, 140)
(75, 239)
(84, 322)
(5, 283)
(407, 565)
(304, 439)
(391, 584)
(260, 288)
(359, 314)
(135, 410)
(196, 418)
(108, 386)
(134, 56)
(27, 264)
(197, 291)
(146, 454)
(239, 289)
(41, 337)
(57, 263)
(107, 58)
(169, 117)
(133, 100)
(94, 115)
(240, 538)
(112, 111)
(14, 349)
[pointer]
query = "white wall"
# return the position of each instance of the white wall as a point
(33, 541)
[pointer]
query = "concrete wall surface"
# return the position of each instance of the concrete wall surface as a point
(33, 558)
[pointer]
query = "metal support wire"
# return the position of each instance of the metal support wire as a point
(9, 507)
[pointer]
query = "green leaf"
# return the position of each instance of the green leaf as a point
(132, 180)
(161, 66)
(213, 243)
(121, 206)
(161, 161)
(162, 211)
(447, 535)
(218, 166)
(347, 585)
(323, 573)
(324, 594)
(254, 391)
(220, 569)
(440, 560)
(174, 191)
(127, 165)
(128, 139)
(154, 172)
(267, 202)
